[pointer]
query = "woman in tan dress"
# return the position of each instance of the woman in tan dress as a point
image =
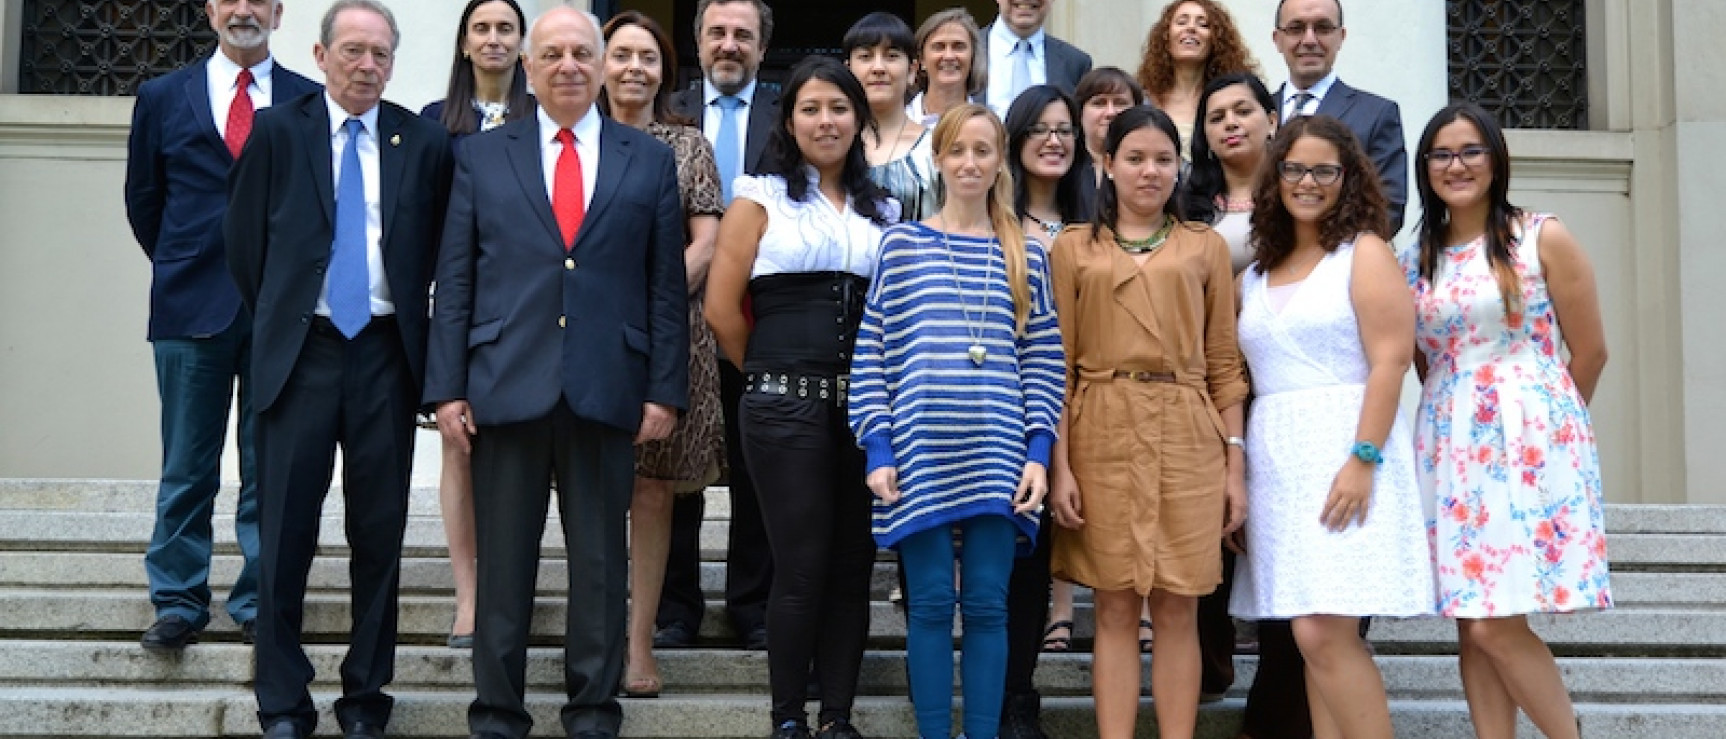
(1148, 471)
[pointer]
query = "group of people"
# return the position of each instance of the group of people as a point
(956, 294)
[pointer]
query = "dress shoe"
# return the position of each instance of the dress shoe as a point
(461, 641)
(756, 641)
(673, 636)
(249, 631)
(790, 730)
(364, 730)
(1020, 715)
(838, 729)
(284, 729)
(170, 633)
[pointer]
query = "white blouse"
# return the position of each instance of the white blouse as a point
(811, 235)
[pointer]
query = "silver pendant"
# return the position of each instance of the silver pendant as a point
(978, 354)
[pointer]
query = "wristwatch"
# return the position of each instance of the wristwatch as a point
(1367, 452)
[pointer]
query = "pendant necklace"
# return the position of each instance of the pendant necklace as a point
(1052, 228)
(977, 352)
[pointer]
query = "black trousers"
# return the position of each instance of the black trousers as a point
(1027, 609)
(809, 475)
(749, 561)
(1277, 702)
(513, 467)
(360, 395)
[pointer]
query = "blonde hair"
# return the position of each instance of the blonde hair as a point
(1002, 217)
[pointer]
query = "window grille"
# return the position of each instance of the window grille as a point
(107, 47)
(1523, 60)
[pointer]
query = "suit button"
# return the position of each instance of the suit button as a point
(560, 321)
(568, 263)
(305, 318)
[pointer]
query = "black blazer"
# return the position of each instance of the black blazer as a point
(520, 323)
(1063, 65)
(1377, 122)
(281, 222)
(763, 116)
(176, 190)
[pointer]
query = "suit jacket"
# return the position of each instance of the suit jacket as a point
(1377, 122)
(763, 116)
(520, 323)
(281, 223)
(176, 191)
(1063, 63)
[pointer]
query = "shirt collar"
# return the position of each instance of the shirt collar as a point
(339, 116)
(1318, 90)
(1002, 37)
(709, 93)
(228, 71)
(586, 128)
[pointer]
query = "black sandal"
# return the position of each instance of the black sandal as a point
(1059, 644)
(1144, 644)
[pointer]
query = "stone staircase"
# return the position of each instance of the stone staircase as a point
(73, 602)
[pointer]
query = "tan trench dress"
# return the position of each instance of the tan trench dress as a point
(1147, 450)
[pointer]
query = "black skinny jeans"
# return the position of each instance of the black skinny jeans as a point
(1027, 609)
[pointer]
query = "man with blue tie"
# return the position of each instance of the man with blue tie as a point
(187, 129)
(1022, 54)
(334, 212)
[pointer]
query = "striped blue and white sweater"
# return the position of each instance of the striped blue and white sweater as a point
(959, 434)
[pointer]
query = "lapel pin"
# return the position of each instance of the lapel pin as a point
(396, 140)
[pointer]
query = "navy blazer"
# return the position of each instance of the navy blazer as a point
(763, 116)
(521, 323)
(281, 223)
(1063, 63)
(1377, 122)
(176, 191)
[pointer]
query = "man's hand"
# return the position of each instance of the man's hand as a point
(657, 421)
(455, 422)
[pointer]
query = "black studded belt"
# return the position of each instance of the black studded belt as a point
(817, 387)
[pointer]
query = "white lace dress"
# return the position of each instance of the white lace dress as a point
(1308, 374)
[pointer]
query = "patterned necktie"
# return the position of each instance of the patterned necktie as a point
(1021, 68)
(240, 114)
(566, 190)
(725, 145)
(1297, 106)
(350, 295)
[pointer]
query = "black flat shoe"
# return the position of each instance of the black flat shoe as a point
(364, 730)
(170, 633)
(673, 636)
(461, 641)
(284, 729)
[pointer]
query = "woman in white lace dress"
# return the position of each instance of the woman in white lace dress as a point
(1335, 529)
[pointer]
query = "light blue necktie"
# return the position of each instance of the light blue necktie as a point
(350, 296)
(1021, 68)
(725, 152)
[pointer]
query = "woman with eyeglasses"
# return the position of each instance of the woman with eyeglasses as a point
(1192, 43)
(1337, 530)
(1147, 477)
(1504, 442)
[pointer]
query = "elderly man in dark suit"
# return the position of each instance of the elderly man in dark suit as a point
(560, 339)
(1310, 33)
(187, 130)
(736, 114)
(1022, 54)
(332, 231)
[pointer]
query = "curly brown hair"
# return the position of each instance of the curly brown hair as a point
(1229, 53)
(1361, 208)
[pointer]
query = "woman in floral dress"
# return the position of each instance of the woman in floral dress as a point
(1503, 441)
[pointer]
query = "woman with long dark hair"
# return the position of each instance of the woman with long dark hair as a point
(1192, 43)
(1504, 444)
(801, 239)
(879, 49)
(1236, 119)
(1148, 472)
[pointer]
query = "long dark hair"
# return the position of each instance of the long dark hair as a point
(1130, 120)
(1023, 114)
(458, 114)
(1360, 207)
(662, 111)
(783, 158)
(1205, 180)
(1501, 215)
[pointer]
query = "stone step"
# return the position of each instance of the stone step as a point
(78, 712)
(709, 671)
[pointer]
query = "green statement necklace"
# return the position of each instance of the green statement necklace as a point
(1149, 243)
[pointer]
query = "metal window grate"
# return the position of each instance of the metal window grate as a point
(1524, 60)
(107, 47)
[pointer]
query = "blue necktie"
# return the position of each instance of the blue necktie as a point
(350, 295)
(1021, 69)
(725, 147)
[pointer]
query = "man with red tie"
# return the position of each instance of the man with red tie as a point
(187, 129)
(559, 339)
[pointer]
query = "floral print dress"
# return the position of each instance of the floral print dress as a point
(1504, 448)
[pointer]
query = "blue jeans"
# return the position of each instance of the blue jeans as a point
(985, 564)
(195, 379)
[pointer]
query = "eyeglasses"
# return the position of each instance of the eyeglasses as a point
(1470, 156)
(1040, 130)
(1323, 174)
(1321, 29)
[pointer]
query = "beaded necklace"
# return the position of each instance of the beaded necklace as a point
(1149, 243)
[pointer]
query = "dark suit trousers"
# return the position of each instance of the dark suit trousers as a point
(513, 465)
(749, 561)
(1277, 702)
(358, 394)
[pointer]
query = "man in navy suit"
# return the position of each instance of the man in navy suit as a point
(1310, 33)
(332, 229)
(1021, 54)
(560, 339)
(187, 129)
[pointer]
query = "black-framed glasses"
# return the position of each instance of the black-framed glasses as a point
(1470, 156)
(1040, 130)
(1321, 29)
(1323, 174)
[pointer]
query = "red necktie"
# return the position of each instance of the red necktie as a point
(240, 114)
(566, 192)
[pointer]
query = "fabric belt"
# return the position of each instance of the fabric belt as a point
(1110, 375)
(820, 387)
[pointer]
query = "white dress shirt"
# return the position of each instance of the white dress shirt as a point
(1002, 42)
(379, 285)
(710, 113)
(222, 74)
(1317, 91)
(586, 146)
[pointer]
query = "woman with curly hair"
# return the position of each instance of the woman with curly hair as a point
(1193, 42)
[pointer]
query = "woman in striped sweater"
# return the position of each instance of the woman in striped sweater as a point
(956, 390)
